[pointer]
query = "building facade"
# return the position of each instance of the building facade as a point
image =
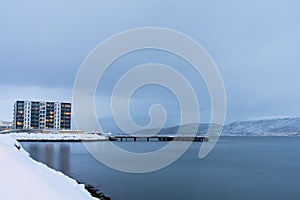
(42, 115)
(4, 126)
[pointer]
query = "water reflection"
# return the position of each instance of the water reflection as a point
(54, 155)
(48, 155)
(238, 168)
(33, 149)
(64, 158)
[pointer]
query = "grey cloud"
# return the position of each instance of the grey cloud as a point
(254, 43)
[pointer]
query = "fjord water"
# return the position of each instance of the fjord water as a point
(237, 168)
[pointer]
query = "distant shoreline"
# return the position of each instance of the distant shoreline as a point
(58, 140)
(41, 137)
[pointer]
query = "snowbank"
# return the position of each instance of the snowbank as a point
(57, 137)
(23, 178)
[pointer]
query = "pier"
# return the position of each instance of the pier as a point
(158, 138)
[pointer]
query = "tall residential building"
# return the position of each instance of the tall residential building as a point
(42, 115)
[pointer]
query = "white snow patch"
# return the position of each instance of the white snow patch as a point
(23, 178)
(53, 137)
(266, 118)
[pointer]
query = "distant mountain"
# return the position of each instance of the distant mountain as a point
(185, 129)
(275, 126)
(280, 126)
(189, 128)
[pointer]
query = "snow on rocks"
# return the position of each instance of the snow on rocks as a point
(23, 178)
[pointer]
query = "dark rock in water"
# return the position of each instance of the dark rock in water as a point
(95, 192)
(17, 146)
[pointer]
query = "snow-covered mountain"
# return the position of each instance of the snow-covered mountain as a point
(270, 126)
(189, 128)
(185, 129)
(264, 126)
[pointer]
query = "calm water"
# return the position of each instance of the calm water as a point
(237, 168)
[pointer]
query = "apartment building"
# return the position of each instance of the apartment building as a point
(42, 115)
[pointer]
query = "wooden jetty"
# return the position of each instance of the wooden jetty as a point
(158, 138)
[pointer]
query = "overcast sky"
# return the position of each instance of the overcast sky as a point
(255, 45)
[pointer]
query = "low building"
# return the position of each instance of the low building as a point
(4, 126)
(42, 115)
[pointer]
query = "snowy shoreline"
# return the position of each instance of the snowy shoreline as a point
(24, 178)
(41, 137)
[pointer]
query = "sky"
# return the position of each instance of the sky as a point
(255, 45)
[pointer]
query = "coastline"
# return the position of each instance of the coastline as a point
(94, 192)
(41, 137)
(19, 172)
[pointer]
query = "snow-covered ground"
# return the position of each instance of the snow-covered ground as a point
(23, 178)
(53, 137)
